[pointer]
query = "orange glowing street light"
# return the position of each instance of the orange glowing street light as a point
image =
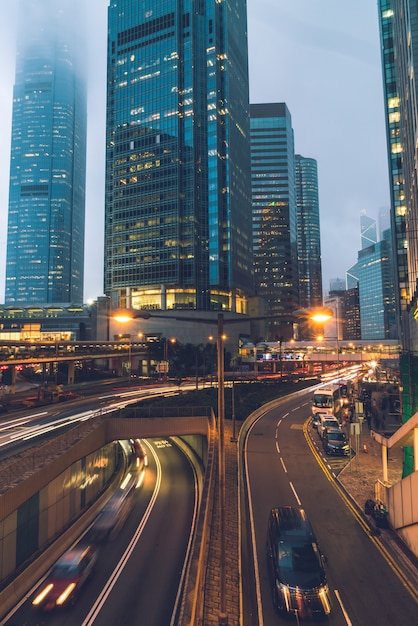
(320, 316)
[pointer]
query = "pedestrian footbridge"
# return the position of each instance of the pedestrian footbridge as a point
(401, 498)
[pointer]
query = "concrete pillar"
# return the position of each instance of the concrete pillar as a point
(70, 377)
(385, 464)
(13, 381)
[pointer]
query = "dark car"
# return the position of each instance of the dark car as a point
(66, 578)
(335, 442)
(111, 518)
(296, 565)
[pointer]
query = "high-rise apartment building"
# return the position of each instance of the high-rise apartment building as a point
(177, 205)
(308, 232)
(274, 214)
(45, 239)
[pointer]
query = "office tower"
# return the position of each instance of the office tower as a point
(368, 230)
(177, 204)
(376, 290)
(395, 31)
(398, 21)
(45, 239)
(337, 284)
(274, 214)
(333, 329)
(351, 328)
(352, 276)
(383, 221)
(308, 232)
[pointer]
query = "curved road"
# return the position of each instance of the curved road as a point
(283, 468)
(138, 573)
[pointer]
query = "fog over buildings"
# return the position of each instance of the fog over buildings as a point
(322, 59)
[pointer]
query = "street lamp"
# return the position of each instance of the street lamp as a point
(127, 316)
(320, 316)
(128, 337)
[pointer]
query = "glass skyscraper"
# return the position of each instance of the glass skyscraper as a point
(376, 292)
(393, 37)
(368, 230)
(308, 232)
(45, 239)
(398, 20)
(178, 208)
(274, 214)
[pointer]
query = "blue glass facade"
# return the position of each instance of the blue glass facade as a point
(376, 291)
(274, 214)
(368, 230)
(309, 235)
(392, 85)
(398, 20)
(45, 241)
(178, 213)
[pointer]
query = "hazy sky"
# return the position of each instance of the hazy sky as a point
(321, 57)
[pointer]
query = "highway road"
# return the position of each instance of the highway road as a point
(139, 572)
(283, 468)
(20, 429)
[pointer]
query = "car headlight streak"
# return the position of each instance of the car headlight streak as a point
(41, 597)
(65, 594)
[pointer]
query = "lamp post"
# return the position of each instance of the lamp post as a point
(320, 317)
(130, 360)
(127, 316)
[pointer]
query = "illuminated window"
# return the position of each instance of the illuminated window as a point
(394, 117)
(393, 103)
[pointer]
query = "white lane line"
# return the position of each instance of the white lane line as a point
(98, 605)
(253, 540)
(295, 494)
(347, 619)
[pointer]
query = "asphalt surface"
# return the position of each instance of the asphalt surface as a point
(358, 480)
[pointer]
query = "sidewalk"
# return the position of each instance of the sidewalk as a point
(360, 476)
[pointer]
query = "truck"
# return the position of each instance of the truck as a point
(47, 394)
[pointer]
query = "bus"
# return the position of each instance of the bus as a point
(327, 400)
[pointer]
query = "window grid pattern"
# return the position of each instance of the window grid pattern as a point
(45, 240)
(170, 218)
(274, 213)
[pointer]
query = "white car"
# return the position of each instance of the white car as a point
(316, 418)
(327, 421)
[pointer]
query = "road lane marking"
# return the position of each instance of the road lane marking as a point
(295, 494)
(101, 599)
(344, 612)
